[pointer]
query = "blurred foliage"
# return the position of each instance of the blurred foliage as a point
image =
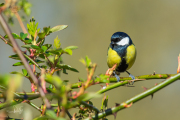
(45, 57)
(16, 6)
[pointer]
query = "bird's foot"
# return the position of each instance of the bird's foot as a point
(132, 77)
(117, 77)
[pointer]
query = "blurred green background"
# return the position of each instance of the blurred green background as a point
(154, 27)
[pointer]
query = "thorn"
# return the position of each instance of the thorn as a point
(154, 73)
(25, 95)
(144, 88)
(156, 84)
(115, 114)
(152, 96)
(117, 104)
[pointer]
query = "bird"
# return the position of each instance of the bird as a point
(122, 52)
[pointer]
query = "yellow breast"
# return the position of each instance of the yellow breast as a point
(113, 58)
(130, 56)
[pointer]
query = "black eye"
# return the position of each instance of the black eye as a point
(117, 40)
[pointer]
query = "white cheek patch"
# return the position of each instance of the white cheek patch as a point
(124, 41)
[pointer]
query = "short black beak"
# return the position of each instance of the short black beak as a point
(112, 44)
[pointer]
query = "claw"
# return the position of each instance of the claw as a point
(132, 77)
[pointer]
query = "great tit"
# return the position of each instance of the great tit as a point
(122, 52)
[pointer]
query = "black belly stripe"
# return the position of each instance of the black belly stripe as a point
(123, 66)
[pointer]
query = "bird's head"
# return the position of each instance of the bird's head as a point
(120, 39)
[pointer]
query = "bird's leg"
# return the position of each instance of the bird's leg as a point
(130, 75)
(117, 77)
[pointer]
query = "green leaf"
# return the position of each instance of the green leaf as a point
(82, 61)
(47, 45)
(15, 36)
(27, 8)
(68, 51)
(88, 61)
(42, 56)
(102, 78)
(44, 48)
(36, 47)
(23, 36)
(57, 43)
(15, 72)
(16, 57)
(81, 79)
(26, 46)
(27, 40)
(55, 80)
(58, 28)
(24, 71)
(46, 30)
(71, 47)
(55, 51)
(32, 27)
(68, 67)
(2, 4)
(18, 64)
(41, 35)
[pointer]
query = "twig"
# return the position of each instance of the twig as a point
(90, 106)
(6, 41)
(137, 98)
(49, 61)
(114, 80)
(33, 105)
(20, 22)
(26, 65)
(69, 115)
